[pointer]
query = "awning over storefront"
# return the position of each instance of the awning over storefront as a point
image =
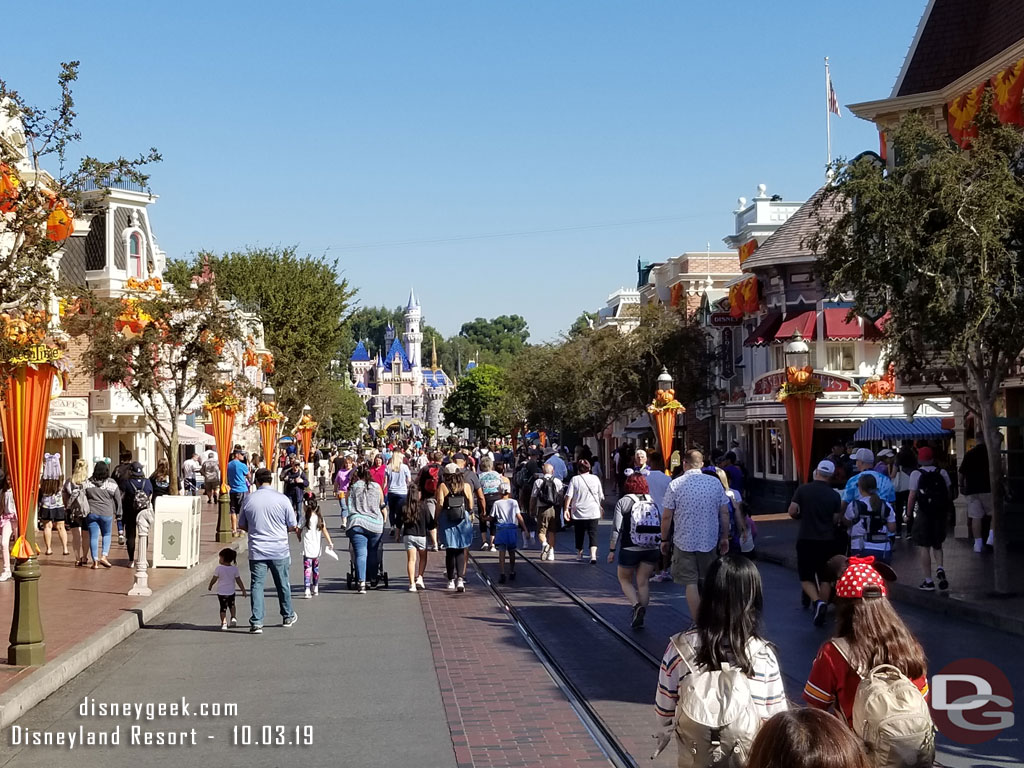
(928, 428)
(838, 328)
(765, 332)
(55, 431)
(191, 436)
(639, 425)
(804, 322)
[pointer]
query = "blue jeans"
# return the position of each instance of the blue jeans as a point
(258, 575)
(98, 524)
(396, 508)
(366, 546)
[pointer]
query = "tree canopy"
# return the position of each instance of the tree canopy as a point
(936, 241)
(504, 335)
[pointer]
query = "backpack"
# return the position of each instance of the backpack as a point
(644, 522)
(891, 716)
(932, 493)
(141, 500)
(78, 503)
(523, 475)
(455, 507)
(875, 526)
(211, 471)
(431, 478)
(547, 496)
(716, 719)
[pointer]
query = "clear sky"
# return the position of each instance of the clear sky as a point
(503, 157)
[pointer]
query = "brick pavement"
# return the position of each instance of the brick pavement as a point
(503, 708)
(78, 602)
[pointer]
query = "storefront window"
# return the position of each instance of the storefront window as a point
(759, 450)
(840, 357)
(775, 448)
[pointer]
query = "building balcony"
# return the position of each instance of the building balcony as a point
(114, 401)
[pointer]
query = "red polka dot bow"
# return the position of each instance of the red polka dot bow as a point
(860, 573)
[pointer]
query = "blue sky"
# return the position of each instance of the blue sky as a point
(400, 137)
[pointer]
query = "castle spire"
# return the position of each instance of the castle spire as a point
(433, 353)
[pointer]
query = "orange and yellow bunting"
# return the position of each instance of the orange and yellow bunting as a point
(10, 188)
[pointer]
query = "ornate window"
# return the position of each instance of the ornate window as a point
(136, 255)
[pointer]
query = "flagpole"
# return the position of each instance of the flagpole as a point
(828, 123)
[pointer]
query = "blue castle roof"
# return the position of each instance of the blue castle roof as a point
(435, 379)
(399, 350)
(361, 354)
(471, 365)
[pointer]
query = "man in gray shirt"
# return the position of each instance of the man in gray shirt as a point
(267, 517)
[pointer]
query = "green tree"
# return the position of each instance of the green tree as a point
(937, 241)
(481, 392)
(345, 409)
(585, 322)
(166, 348)
(503, 336)
(303, 303)
(369, 324)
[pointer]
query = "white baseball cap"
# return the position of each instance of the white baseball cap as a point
(826, 467)
(864, 455)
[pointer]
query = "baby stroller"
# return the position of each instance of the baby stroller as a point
(376, 579)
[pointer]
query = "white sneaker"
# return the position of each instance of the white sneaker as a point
(412, 587)
(224, 625)
(551, 555)
(460, 586)
(308, 594)
(362, 588)
(234, 622)
(991, 538)
(5, 576)
(978, 545)
(544, 552)
(419, 583)
(316, 590)
(451, 584)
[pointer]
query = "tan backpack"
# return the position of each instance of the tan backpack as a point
(716, 719)
(891, 716)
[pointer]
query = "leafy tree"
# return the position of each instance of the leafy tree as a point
(937, 241)
(585, 322)
(167, 348)
(345, 408)
(35, 144)
(481, 392)
(503, 336)
(369, 324)
(303, 303)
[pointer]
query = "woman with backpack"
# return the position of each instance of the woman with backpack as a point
(869, 633)
(77, 507)
(104, 499)
(455, 522)
(583, 509)
(139, 498)
(639, 538)
(731, 673)
(364, 524)
(871, 520)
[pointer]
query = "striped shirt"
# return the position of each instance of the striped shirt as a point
(766, 687)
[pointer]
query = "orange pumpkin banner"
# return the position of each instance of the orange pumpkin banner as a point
(747, 250)
(736, 300)
(9, 188)
(223, 424)
(1006, 91)
(23, 412)
(800, 418)
(59, 224)
(751, 295)
(268, 441)
(676, 295)
(960, 114)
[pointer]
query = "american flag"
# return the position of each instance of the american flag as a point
(833, 102)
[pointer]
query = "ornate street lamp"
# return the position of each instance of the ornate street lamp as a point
(222, 405)
(797, 351)
(664, 412)
(268, 420)
(305, 429)
(800, 393)
(25, 392)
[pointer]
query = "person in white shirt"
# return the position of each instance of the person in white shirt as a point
(658, 482)
(509, 522)
(311, 533)
(190, 469)
(871, 520)
(547, 490)
(583, 508)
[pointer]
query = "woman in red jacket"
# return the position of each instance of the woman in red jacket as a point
(868, 633)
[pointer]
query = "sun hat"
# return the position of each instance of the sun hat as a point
(860, 574)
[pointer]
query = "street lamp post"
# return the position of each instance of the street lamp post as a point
(664, 411)
(487, 426)
(799, 393)
(222, 406)
(797, 351)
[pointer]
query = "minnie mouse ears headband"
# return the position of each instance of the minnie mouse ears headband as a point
(862, 577)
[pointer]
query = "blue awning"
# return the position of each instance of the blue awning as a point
(929, 428)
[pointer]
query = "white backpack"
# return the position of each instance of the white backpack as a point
(716, 720)
(891, 716)
(644, 522)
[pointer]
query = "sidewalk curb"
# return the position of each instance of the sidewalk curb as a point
(49, 677)
(945, 606)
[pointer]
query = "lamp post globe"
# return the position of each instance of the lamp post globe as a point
(664, 380)
(797, 351)
(268, 393)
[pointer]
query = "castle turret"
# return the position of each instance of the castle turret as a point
(413, 337)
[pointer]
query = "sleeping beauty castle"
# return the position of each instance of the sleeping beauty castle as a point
(398, 390)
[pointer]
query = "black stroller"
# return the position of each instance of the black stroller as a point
(378, 579)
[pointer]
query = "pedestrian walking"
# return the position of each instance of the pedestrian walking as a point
(8, 524)
(583, 507)
(455, 522)
(342, 477)
(311, 534)
(929, 505)
(658, 482)
(872, 522)
(51, 504)
(379, 472)
(864, 461)
(190, 470)
(398, 479)
(295, 482)
(806, 738)
(509, 522)
(120, 475)
(723, 664)
(238, 487)
(417, 521)
(491, 481)
(161, 480)
(138, 497)
(104, 499)
(268, 517)
(697, 506)
(819, 509)
(976, 487)
(869, 633)
(636, 530)
(544, 503)
(364, 525)
(211, 478)
(76, 504)
(428, 480)
(226, 576)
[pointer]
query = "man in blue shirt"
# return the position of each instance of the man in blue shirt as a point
(865, 460)
(557, 464)
(238, 486)
(267, 516)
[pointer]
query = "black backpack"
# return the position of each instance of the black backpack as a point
(455, 507)
(875, 524)
(547, 496)
(932, 493)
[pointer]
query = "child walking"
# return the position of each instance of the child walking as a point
(417, 522)
(225, 577)
(509, 521)
(322, 482)
(310, 534)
